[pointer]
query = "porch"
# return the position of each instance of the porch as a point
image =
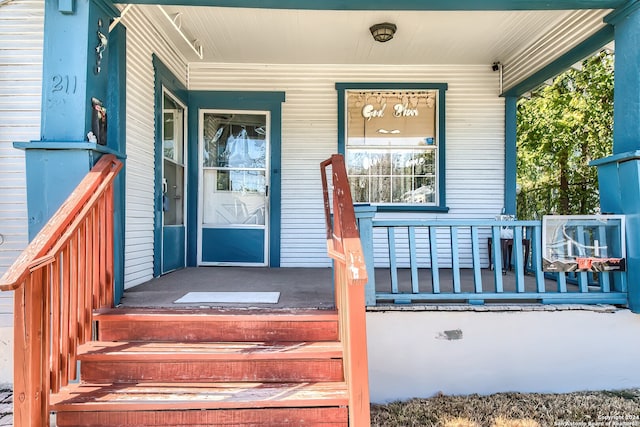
(304, 288)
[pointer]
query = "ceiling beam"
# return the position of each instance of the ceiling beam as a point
(442, 5)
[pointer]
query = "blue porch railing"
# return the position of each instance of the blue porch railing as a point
(458, 261)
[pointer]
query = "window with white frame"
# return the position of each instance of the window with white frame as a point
(392, 146)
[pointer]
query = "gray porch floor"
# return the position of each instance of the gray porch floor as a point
(298, 287)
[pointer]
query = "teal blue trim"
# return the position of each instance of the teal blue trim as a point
(70, 78)
(108, 7)
(412, 208)
(442, 160)
(619, 175)
(442, 147)
(173, 249)
(117, 140)
(398, 4)
(364, 216)
(51, 177)
(578, 53)
(626, 92)
(240, 245)
(39, 145)
(510, 154)
(164, 78)
(623, 12)
(237, 100)
(616, 158)
(66, 6)
(618, 298)
(391, 86)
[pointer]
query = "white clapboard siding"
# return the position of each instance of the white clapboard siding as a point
(143, 40)
(566, 35)
(21, 40)
(474, 137)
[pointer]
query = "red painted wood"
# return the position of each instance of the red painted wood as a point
(350, 277)
(171, 396)
(274, 417)
(45, 278)
(208, 371)
(216, 326)
(179, 351)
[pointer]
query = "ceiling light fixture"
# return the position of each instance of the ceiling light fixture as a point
(383, 32)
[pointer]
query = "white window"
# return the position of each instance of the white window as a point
(392, 146)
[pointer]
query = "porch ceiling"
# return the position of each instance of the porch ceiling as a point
(280, 36)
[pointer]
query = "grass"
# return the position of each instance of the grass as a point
(589, 409)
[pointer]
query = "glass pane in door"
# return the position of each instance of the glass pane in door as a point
(173, 185)
(235, 186)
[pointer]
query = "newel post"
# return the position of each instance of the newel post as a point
(364, 216)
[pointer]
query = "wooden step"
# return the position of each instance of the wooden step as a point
(209, 362)
(216, 325)
(163, 404)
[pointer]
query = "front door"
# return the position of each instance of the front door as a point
(173, 184)
(234, 188)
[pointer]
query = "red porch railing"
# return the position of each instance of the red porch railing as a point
(64, 273)
(350, 277)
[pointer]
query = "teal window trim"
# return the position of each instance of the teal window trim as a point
(163, 79)
(236, 100)
(342, 88)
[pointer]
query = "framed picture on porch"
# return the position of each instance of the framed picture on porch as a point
(583, 243)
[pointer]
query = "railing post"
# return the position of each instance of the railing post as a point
(364, 215)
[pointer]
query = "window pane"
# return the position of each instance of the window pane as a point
(173, 130)
(391, 150)
(173, 197)
(235, 141)
(360, 189)
(402, 189)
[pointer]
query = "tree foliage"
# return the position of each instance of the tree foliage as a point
(561, 128)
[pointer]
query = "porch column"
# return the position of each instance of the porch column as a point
(75, 70)
(619, 174)
(510, 154)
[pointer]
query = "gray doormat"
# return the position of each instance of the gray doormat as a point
(230, 297)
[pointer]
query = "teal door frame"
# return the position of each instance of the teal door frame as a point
(235, 100)
(164, 80)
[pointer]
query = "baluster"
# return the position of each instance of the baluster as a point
(455, 259)
(393, 259)
(433, 251)
(413, 260)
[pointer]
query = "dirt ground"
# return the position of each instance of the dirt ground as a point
(619, 408)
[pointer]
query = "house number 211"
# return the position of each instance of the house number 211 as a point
(66, 84)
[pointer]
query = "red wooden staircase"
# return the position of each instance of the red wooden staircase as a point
(207, 367)
(179, 368)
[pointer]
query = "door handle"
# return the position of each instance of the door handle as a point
(266, 191)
